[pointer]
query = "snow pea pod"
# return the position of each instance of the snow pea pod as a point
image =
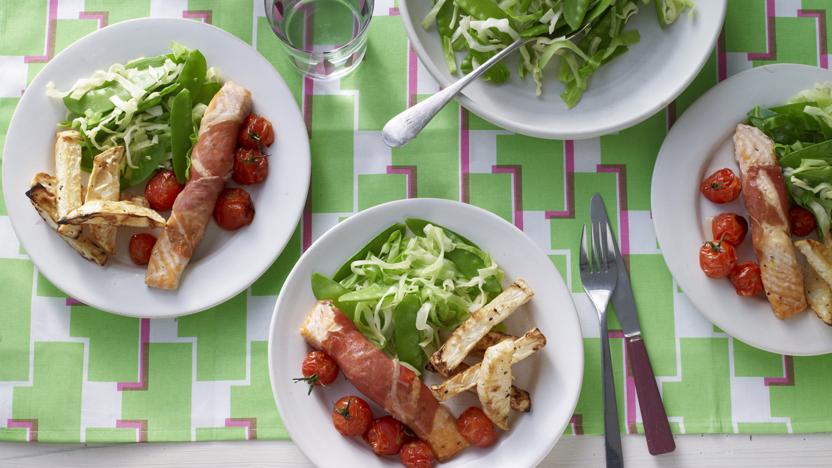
(324, 289)
(373, 247)
(574, 12)
(148, 159)
(372, 292)
(146, 62)
(181, 128)
(417, 226)
(97, 100)
(481, 9)
(405, 333)
(193, 71)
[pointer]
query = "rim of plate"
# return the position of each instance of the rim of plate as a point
(358, 218)
(216, 299)
(679, 155)
(497, 119)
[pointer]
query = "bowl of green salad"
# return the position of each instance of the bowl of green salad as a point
(587, 68)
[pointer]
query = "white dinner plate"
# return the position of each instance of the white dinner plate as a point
(699, 143)
(621, 94)
(552, 376)
(225, 262)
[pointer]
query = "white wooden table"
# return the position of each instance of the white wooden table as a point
(710, 451)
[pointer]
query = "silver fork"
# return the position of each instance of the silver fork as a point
(599, 274)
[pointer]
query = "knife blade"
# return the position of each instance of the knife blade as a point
(656, 426)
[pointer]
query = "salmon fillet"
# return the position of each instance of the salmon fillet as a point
(764, 194)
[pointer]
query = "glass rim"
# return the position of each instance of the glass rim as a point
(283, 40)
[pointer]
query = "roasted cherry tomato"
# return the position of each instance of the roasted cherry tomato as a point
(317, 369)
(352, 416)
(717, 258)
(477, 429)
(802, 221)
(721, 187)
(256, 133)
(746, 279)
(729, 227)
(250, 166)
(233, 209)
(162, 189)
(417, 454)
(141, 245)
(385, 436)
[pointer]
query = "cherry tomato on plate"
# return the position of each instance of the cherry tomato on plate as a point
(385, 435)
(162, 189)
(250, 166)
(256, 133)
(351, 416)
(477, 429)
(747, 279)
(730, 227)
(717, 258)
(417, 454)
(722, 186)
(802, 221)
(233, 209)
(141, 245)
(318, 369)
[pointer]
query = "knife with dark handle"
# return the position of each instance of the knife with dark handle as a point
(656, 427)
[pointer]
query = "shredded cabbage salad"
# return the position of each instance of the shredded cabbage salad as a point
(129, 104)
(445, 276)
(802, 133)
(480, 28)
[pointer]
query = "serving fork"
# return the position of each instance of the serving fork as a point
(599, 275)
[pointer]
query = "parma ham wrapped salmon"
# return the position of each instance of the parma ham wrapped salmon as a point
(392, 386)
(212, 160)
(764, 194)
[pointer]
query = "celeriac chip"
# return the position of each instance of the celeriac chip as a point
(494, 383)
(104, 185)
(42, 196)
(819, 256)
(114, 213)
(68, 178)
(818, 293)
(466, 336)
(532, 341)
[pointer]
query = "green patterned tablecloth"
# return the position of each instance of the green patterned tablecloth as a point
(70, 373)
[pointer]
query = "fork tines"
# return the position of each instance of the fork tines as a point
(602, 256)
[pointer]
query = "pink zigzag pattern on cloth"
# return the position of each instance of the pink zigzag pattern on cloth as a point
(787, 379)
(205, 15)
(569, 183)
(516, 172)
(101, 16)
(771, 38)
(464, 155)
(623, 214)
(410, 174)
(52, 22)
(250, 424)
(31, 426)
(820, 16)
(721, 57)
(140, 425)
(144, 359)
(412, 76)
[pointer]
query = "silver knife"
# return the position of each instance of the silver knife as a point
(656, 427)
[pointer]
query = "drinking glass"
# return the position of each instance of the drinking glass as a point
(324, 39)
